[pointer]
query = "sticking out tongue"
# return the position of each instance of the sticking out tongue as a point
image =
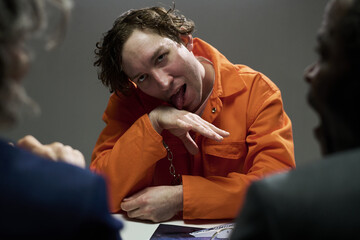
(177, 99)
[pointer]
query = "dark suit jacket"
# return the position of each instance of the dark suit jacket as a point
(41, 199)
(319, 201)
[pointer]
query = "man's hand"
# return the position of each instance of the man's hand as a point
(156, 204)
(180, 122)
(55, 151)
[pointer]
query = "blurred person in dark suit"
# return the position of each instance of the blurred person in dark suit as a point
(40, 198)
(319, 201)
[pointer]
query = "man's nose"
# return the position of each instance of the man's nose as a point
(309, 72)
(162, 78)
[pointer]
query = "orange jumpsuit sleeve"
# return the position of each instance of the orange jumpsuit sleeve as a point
(269, 144)
(119, 140)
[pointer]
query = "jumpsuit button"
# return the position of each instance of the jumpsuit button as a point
(213, 110)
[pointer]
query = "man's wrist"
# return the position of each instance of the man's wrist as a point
(179, 195)
(154, 122)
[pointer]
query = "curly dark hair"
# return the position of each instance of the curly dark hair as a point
(167, 23)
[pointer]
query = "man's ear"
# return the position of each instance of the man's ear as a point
(187, 40)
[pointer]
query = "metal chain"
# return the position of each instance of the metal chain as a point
(176, 178)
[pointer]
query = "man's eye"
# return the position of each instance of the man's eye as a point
(161, 58)
(141, 78)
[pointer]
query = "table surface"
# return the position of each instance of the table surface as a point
(141, 230)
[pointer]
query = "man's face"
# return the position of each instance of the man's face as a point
(325, 76)
(19, 61)
(13, 96)
(164, 69)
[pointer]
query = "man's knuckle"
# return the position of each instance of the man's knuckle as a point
(28, 138)
(144, 200)
(57, 145)
(48, 152)
(25, 140)
(130, 214)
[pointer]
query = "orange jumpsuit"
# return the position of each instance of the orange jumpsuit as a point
(131, 155)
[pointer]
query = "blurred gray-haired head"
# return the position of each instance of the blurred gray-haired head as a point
(20, 20)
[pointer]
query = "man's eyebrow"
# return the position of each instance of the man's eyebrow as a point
(156, 53)
(132, 78)
(152, 59)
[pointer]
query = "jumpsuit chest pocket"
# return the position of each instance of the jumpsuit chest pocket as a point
(222, 158)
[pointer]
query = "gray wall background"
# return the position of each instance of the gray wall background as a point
(276, 37)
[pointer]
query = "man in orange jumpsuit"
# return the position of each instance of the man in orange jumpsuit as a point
(186, 130)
